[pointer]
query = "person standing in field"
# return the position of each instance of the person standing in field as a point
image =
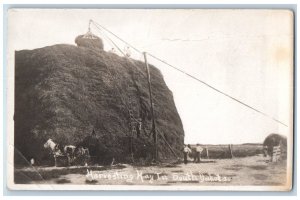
(92, 142)
(193, 152)
(186, 151)
(199, 150)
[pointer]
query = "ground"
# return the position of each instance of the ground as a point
(254, 170)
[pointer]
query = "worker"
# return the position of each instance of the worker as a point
(127, 52)
(92, 143)
(186, 152)
(113, 50)
(199, 150)
(193, 152)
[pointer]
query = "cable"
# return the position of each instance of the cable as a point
(217, 90)
(99, 30)
(170, 147)
(193, 77)
(128, 107)
(117, 37)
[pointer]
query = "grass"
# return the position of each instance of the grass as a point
(43, 174)
(223, 151)
(91, 181)
(244, 171)
(258, 167)
(63, 181)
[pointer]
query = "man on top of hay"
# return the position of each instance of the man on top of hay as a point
(127, 52)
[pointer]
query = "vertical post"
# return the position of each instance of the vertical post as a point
(230, 149)
(90, 22)
(131, 148)
(207, 152)
(55, 161)
(152, 110)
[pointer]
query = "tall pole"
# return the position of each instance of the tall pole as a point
(90, 25)
(152, 110)
(230, 150)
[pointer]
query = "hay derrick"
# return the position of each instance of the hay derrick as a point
(63, 92)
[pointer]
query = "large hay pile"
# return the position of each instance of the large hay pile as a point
(63, 92)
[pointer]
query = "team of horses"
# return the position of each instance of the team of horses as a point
(70, 151)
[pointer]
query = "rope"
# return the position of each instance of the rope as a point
(117, 37)
(129, 107)
(115, 71)
(116, 85)
(163, 137)
(217, 90)
(98, 26)
(122, 101)
(110, 40)
(195, 78)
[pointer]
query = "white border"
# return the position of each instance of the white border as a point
(190, 188)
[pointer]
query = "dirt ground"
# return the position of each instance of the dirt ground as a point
(254, 170)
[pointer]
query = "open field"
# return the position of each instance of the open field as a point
(223, 151)
(254, 170)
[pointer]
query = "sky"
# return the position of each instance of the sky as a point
(247, 54)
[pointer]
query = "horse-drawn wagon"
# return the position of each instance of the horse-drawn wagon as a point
(67, 155)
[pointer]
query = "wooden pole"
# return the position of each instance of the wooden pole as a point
(230, 149)
(152, 110)
(207, 152)
(90, 22)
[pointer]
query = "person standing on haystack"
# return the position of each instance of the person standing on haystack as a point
(94, 143)
(94, 134)
(113, 50)
(127, 52)
(186, 152)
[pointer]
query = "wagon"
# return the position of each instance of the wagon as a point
(61, 160)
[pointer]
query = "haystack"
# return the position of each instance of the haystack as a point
(63, 92)
(275, 139)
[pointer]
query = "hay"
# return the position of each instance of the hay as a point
(63, 92)
(90, 41)
(276, 140)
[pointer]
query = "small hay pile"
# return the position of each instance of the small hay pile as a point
(89, 40)
(275, 139)
(63, 92)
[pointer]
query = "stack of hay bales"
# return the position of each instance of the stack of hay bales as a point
(63, 91)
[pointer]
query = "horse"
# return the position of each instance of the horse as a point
(58, 150)
(54, 148)
(81, 151)
(69, 151)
